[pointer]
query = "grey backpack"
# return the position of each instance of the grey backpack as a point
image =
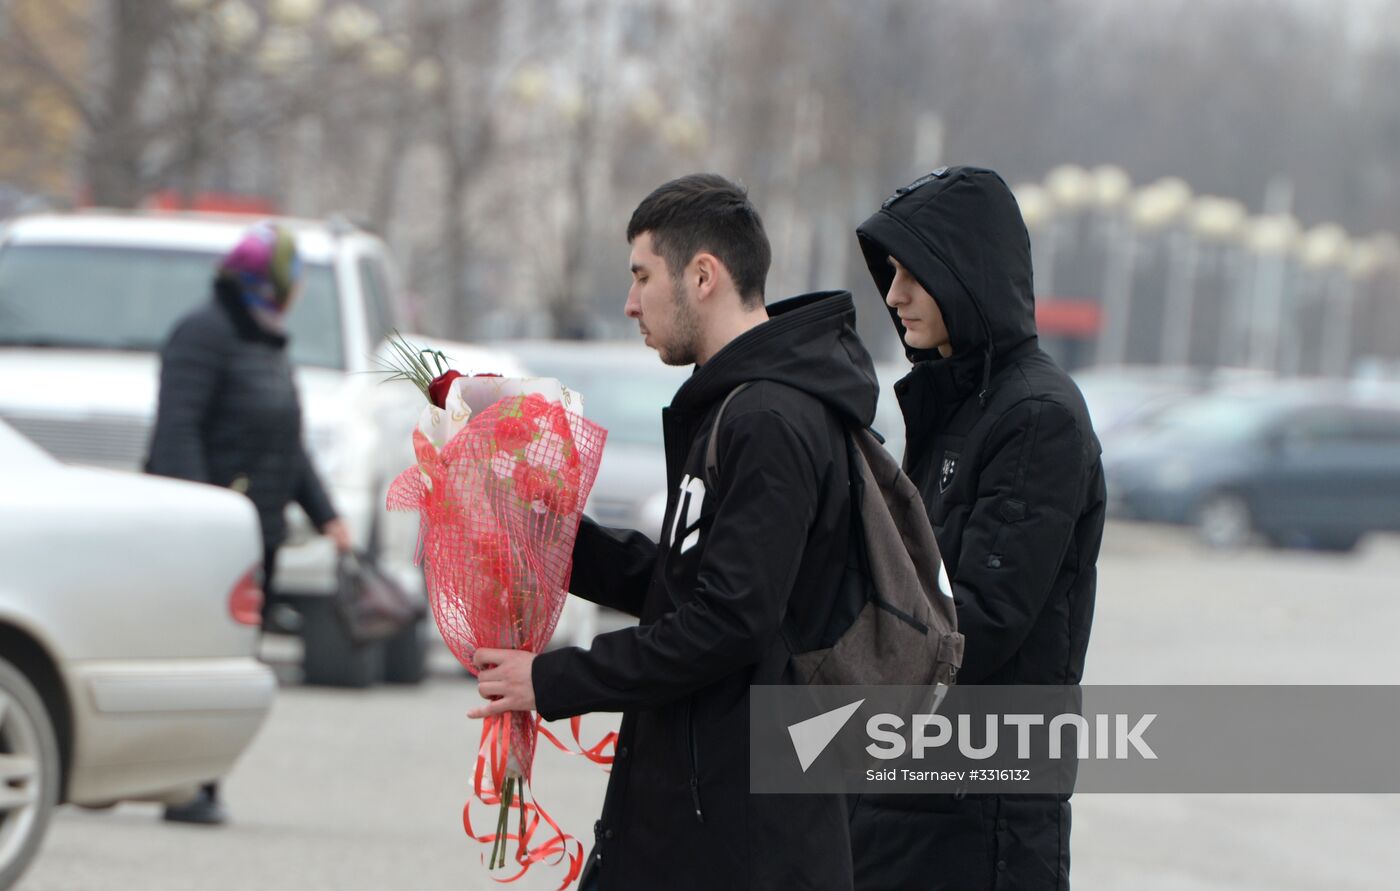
(904, 626)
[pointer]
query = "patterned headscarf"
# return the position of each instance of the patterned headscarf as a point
(265, 265)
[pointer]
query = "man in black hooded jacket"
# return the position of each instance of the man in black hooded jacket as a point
(1000, 445)
(742, 578)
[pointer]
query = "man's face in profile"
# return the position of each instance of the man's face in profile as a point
(919, 313)
(661, 305)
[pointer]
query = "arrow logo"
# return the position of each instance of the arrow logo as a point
(811, 737)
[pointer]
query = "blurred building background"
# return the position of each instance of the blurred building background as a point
(1206, 183)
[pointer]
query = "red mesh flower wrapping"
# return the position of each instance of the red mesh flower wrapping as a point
(499, 507)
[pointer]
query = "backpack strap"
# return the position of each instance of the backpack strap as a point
(712, 447)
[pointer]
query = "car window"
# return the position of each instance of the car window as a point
(1316, 427)
(1376, 427)
(98, 297)
(376, 290)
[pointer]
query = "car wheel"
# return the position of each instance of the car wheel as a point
(29, 773)
(330, 658)
(406, 655)
(1225, 521)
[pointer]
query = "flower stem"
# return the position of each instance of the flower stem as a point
(520, 852)
(498, 850)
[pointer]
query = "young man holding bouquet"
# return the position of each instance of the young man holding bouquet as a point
(746, 572)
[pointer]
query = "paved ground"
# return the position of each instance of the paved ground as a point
(352, 791)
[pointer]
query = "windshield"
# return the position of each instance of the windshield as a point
(626, 398)
(127, 298)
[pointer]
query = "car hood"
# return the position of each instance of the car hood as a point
(77, 382)
(99, 382)
(96, 407)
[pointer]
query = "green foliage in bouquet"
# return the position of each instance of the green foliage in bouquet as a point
(428, 370)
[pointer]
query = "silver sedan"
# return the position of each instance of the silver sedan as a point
(129, 614)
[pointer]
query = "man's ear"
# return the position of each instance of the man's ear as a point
(706, 269)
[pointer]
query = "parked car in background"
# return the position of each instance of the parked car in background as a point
(625, 386)
(1120, 396)
(129, 611)
(87, 299)
(1298, 465)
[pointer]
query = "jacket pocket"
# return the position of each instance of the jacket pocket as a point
(694, 753)
(1010, 511)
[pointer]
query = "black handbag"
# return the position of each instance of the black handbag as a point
(372, 605)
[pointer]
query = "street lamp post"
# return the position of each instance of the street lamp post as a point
(1360, 263)
(1324, 252)
(1150, 210)
(1216, 223)
(1069, 188)
(1271, 238)
(1179, 300)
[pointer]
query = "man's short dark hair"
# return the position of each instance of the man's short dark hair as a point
(706, 212)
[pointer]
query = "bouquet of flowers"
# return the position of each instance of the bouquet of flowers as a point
(504, 467)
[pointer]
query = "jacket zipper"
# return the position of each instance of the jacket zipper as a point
(694, 761)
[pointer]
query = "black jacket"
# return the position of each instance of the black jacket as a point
(764, 550)
(229, 414)
(1001, 447)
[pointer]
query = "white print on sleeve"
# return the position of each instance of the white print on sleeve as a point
(691, 493)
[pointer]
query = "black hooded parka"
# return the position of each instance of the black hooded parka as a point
(1000, 445)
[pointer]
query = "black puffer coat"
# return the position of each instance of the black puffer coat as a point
(761, 552)
(1001, 447)
(229, 414)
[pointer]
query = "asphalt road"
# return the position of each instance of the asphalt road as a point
(355, 791)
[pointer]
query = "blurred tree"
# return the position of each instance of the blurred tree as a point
(41, 110)
(500, 145)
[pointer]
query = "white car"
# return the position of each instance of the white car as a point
(129, 608)
(87, 299)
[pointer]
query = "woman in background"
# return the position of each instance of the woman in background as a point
(229, 415)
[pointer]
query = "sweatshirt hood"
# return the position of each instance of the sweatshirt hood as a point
(959, 232)
(809, 343)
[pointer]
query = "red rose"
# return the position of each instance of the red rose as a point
(531, 483)
(562, 500)
(534, 407)
(559, 422)
(513, 433)
(437, 390)
(572, 477)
